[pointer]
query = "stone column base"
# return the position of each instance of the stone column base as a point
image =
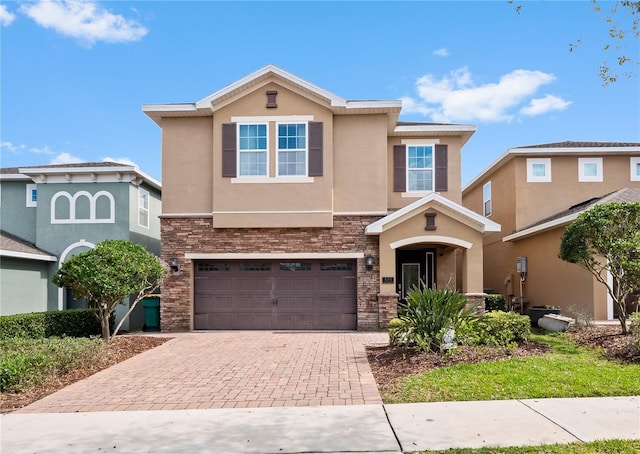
(476, 298)
(387, 308)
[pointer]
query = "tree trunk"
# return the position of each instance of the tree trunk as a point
(104, 322)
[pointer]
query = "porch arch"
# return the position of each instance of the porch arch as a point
(431, 239)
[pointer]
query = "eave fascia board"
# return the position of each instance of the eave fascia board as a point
(37, 171)
(335, 100)
(542, 227)
(180, 107)
(436, 128)
(389, 104)
(28, 256)
(14, 177)
(485, 225)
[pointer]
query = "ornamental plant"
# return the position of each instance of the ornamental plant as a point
(109, 273)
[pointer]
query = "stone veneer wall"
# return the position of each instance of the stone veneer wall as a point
(182, 235)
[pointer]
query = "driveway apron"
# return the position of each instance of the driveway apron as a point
(226, 369)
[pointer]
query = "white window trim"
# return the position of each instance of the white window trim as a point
(635, 172)
(266, 151)
(263, 180)
(30, 188)
(420, 192)
(547, 173)
(589, 179)
(278, 150)
(92, 208)
(485, 200)
(140, 207)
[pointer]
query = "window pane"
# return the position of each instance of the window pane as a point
(292, 136)
(292, 163)
(420, 180)
(253, 137)
(34, 195)
(591, 169)
(538, 170)
(638, 169)
(420, 157)
(253, 163)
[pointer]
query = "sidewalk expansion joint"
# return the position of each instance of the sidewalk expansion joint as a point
(392, 428)
(567, 430)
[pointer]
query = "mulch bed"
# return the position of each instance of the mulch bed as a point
(119, 349)
(391, 363)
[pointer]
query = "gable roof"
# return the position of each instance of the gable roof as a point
(448, 207)
(569, 215)
(566, 148)
(13, 246)
(67, 172)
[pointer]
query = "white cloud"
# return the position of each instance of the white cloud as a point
(42, 150)
(86, 21)
(456, 97)
(5, 16)
(12, 148)
(443, 52)
(66, 158)
(540, 106)
(125, 161)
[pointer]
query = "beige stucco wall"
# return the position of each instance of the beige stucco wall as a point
(539, 200)
(360, 163)
(297, 204)
(551, 281)
(454, 193)
(413, 226)
(187, 165)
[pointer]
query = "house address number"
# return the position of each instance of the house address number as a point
(387, 280)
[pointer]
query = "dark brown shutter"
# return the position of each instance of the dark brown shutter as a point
(315, 148)
(399, 168)
(441, 180)
(229, 150)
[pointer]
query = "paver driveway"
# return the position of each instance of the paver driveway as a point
(230, 369)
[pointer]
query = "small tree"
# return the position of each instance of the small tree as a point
(109, 273)
(606, 240)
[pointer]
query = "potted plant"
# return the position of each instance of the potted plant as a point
(537, 312)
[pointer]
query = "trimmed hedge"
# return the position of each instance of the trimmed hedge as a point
(497, 328)
(495, 302)
(38, 325)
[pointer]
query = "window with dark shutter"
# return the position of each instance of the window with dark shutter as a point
(315, 148)
(441, 178)
(229, 150)
(399, 168)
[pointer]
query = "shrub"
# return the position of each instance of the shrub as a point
(583, 318)
(495, 302)
(426, 316)
(496, 328)
(634, 330)
(37, 325)
(28, 362)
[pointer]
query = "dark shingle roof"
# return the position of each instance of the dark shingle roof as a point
(12, 243)
(15, 170)
(575, 144)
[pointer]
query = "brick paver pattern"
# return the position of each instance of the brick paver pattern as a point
(230, 370)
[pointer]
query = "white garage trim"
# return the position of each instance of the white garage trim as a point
(273, 256)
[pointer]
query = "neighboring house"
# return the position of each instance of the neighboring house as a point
(52, 212)
(534, 192)
(288, 207)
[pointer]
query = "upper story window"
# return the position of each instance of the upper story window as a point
(252, 150)
(590, 169)
(83, 208)
(635, 169)
(486, 199)
(143, 208)
(420, 168)
(538, 170)
(292, 149)
(32, 195)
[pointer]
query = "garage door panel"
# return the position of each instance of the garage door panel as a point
(308, 294)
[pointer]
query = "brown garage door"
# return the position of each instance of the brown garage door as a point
(268, 294)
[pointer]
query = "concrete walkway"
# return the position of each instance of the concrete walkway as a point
(327, 429)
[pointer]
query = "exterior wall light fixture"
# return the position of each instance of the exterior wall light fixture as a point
(174, 264)
(369, 262)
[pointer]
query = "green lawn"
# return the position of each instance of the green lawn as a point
(566, 371)
(597, 447)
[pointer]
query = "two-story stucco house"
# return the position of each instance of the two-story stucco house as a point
(286, 206)
(52, 212)
(534, 192)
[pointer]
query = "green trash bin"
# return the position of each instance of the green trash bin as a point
(151, 306)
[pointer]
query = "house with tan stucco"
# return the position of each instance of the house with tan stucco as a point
(286, 206)
(534, 192)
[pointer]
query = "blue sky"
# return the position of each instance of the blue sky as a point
(74, 75)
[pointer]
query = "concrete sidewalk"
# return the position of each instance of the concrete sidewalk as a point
(328, 429)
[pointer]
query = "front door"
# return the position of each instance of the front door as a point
(414, 268)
